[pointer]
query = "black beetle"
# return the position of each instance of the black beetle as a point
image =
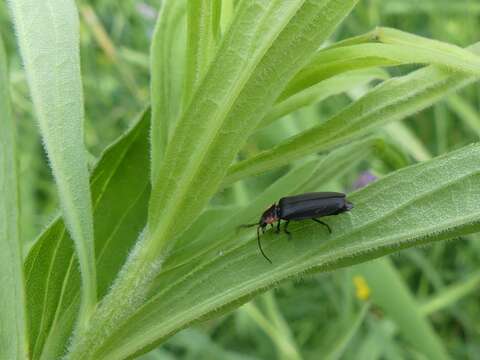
(301, 207)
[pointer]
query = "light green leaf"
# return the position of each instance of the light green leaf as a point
(165, 76)
(381, 47)
(338, 60)
(451, 295)
(332, 86)
(431, 201)
(48, 36)
(453, 57)
(13, 323)
(410, 143)
(287, 349)
(120, 191)
(203, 18)
(467, 113)
(440, 7)
(392, 100)
(349, 330)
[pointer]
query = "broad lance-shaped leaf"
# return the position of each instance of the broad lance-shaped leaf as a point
(427, 202)
(166, 75)
(48, 36)
(13, 317)
(392, 100)
(120, 189)
(267, 43)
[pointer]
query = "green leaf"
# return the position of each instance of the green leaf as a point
(13, 324)
(451, 295)
(267, 43)
(442, 7)
(467, 113)
(408, 141)
(330, 62)
(165, 75)
(202, 36)
(431, 201)
(48, 36)
(392, 100)
(284, 343)
(120, 190)
(453, 57)
(349, 330)
(332, 86)
(381, 47)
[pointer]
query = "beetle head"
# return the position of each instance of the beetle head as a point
(269, 216)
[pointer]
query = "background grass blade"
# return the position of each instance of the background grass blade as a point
(413, 206)
(401, 134)
(286, 347)
(53, 279)
(48, 35)
(392, 100)
(13, 317)
(450, 295)
(390, 293)
(467, 114)
(337, 348)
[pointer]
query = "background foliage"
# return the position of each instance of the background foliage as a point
(421, 303)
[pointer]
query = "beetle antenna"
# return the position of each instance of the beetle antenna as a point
(260, 246)
(248, 225)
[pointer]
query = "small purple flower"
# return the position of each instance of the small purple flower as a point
(363, 180)
(146, 11)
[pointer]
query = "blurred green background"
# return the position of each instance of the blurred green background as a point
(372, 311)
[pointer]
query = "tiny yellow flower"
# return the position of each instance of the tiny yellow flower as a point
(362, 291)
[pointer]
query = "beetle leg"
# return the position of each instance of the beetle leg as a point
(278, 226)
(324, 224)
(286, 231)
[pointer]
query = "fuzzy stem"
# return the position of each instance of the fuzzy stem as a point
(127, 293)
